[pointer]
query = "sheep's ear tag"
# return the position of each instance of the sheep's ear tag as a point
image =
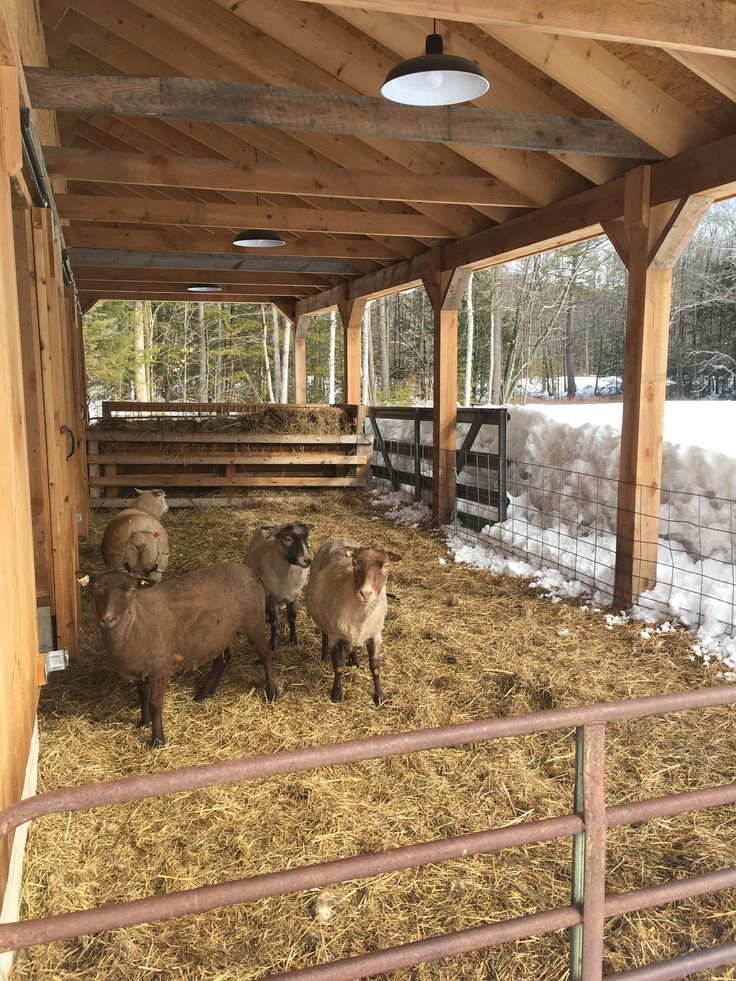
(142, 583)
(83, 580)
(349, 552)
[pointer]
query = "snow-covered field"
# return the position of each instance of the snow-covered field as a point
(561, 522)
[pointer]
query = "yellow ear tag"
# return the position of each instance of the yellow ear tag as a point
(83, 580)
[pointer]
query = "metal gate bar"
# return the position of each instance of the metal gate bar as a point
(594, 821)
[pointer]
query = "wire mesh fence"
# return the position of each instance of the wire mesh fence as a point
(553, 518)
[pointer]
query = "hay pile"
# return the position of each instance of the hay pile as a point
(327, 420)
(460, 644)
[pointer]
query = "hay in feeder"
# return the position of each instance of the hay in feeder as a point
(314, 420)
(460, 644)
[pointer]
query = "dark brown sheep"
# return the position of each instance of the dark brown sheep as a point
(146, 633)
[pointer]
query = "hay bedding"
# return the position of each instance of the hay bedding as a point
(459, 644)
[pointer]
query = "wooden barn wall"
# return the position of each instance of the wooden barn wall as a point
(23, 22)
(18, 632)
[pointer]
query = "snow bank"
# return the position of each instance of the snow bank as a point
(561, 521)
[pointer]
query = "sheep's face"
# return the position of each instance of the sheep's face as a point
(292, 542)
(113, 593)
(370, 571)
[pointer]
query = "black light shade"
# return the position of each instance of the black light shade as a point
(204, 288)
(258, 238)
(434, 78)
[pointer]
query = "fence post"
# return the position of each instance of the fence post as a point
(417, 456)
(589, 854)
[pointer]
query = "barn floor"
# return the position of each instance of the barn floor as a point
(460, 644)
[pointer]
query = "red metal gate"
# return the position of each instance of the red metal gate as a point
(584, 917)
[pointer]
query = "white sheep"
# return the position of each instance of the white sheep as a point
(136, 540)
(346, 598)
(279, 555)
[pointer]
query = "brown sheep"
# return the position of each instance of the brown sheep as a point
(279, 555)
(146, 633)
(346, 598)
(136, 540)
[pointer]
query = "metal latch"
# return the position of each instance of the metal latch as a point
(55, 661)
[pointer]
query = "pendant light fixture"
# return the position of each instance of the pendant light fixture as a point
(434, 78)
(204, 288)
(258, 238)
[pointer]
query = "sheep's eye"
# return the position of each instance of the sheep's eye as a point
(287, 540)
(131, 591)
(96, 586)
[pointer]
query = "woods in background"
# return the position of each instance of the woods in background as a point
(533, 326)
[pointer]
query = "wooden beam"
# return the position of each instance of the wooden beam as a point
(295, 110)
(678, 231)
(657, 22)
(656, 237)
(112, 274)
(445, 290)
(300, 360)
(276, 264)
(333, 182)
(192, 240)
(719, 72)
(351, 314)
(172, 296)
(163, 285)
(208, 215)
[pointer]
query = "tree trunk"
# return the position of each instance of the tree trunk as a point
(371, 363)
(569, 353)
(365, 395)
(471, 338)
(276, 345)
(266, 362)
(202, 331)
(383, 337)
(495, 373)
(331, 359)
(285, 363)
(142, 392)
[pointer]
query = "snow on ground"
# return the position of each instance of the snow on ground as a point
(561, 520)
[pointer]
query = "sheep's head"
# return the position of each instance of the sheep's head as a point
(154, 501)
(370, 570)
(292, 542)
(113, 594)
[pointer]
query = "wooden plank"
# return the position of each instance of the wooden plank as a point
(719, 72)
(18, 633)
(293, 109)
(147, 274)
(162, 287)
(175, 245)
(287, 439)
(217, 501)
(210, 215)
(34, 407)
(180, 297)
(205, 480)
(678, 231)
(333, 182)
(657, 22)
(294, 459)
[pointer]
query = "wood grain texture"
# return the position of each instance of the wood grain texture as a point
(296, 110)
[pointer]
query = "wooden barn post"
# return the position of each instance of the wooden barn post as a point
(300, 359)
(18, 631)
(351, 314)
(649, 241)
(445, 289)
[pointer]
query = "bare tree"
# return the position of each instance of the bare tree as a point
(202, 331)
(266, 362)
(141, 316)
(569, 352)
(276, 345)
(331, 359)
(285, 363)
(471, 336)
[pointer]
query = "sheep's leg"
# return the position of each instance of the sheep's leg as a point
(158, 690)
(374, 660)
(258, 643)
(213, 678)
(144, 694)
(353, 657)
(272, 613)
(291, 613)
(325, 646)
(337, 666)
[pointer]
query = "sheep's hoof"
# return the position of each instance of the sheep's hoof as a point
(201, 695)
(294, 640)
(336, 696)
(378, 700)
(157, 743)
(272, 694)
(274, 645)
